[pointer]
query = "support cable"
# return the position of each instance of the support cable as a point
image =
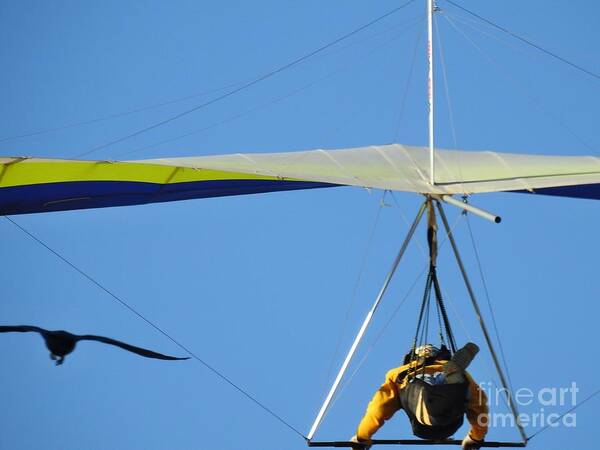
(489, 302)
(251, 83)
(423, 316)
(157, 328)
(275, 100)
(139, 109)
(526, 41)
(407, 88)
(482, 324)
(389, 321)
(470, 339)
(367, 321)
(525, 90)
(489, 32)
(432, 282)
(439, 319)
(405, 219)
(442, 308)
(120, 114)
(553, 422)
(445, 79)
(353, 296)
(449, 103)
(380, 334)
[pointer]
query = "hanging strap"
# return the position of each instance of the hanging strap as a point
(432, 282)
(432, 234)
(440, 302)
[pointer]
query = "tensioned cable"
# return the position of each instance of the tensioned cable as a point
(489, 302)
(439, 318)
(536, 102)
(120, 114)
(389, 321)
(502, 354)
(251, 83)
(403, 216)
(470, 338)
(372, 345)
(275, 100)
(157, 328)
(480, 319)
(352, 114)
(378, 337)
(467, 218)
(423, 331)
(452, 228)
(526, 41)
(462, 324)
(553, 422)
(445, 79)
(487, 30)
(353, 296)
(449, 102)
(175, 100)
(408, 83)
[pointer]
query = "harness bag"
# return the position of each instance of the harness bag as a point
(435, 411)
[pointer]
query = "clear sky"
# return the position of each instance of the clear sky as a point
(260, 286)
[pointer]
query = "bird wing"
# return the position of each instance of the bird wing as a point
(138, 350)
(20, 329)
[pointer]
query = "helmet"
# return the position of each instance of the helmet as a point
(427, 351)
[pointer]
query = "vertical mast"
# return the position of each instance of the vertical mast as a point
(430, 10)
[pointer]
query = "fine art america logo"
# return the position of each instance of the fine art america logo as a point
(545, 407)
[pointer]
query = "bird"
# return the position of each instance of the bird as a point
(61, 343)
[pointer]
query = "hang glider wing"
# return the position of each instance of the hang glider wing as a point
(29, 185)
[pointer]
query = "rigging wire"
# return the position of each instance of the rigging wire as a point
(251, 83)
(534, 100)
(408, 83)
(389, 321)
(462, 324)
(157, 328)
(445, 79)
(353, 296)
(121, 114)
(489, 302)
(448, 101)
(526, 41)
(277, 99)
(405, 219)
(183, 98)
(490, 374)
(379, 335)
(484, 29)
(554, 422)
(480, 319)
(439, 318)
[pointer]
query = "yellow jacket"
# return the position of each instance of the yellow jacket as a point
(386, 402)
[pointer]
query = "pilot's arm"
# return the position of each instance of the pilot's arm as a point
(382, 407)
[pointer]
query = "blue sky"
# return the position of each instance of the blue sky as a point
(259, 285)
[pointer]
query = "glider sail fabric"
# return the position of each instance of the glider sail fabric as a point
(29, 185)
(44, 185)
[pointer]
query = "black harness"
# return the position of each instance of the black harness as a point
(434, 411)
(443, 405)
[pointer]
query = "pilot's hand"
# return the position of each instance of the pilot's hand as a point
(361, 445)
(469, 443)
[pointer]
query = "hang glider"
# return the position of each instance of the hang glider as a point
(33, 185)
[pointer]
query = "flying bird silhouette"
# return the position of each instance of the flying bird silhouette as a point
(61, 343)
